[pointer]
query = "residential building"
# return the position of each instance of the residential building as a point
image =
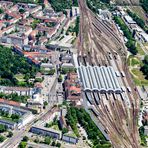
(19, 90)
(69, 139)
(72, 88)
(8, 124)
(46, 132)
(146, 130)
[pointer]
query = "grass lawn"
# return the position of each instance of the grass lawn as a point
(134, 62)
(20, 77)
(9, 119)
(55, 127)
(71, 134)
(140, 50)
(145, 44)
(138, 77)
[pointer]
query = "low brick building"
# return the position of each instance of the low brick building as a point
(72, 88)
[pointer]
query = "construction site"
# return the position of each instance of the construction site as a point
(108, 90)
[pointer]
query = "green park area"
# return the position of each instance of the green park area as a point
(75, 116)
(15, 70)
(140, 50)
(135, 66)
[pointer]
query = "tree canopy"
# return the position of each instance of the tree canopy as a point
(12, 64)
(144, 5)
(127, 33)
(144, 68)
(61, 5)
(138, 20)
(75, 115)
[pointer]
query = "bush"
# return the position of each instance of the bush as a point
(22, 144)
(60, 78)
(58, 144)
(10, 134)
(53, 143)
(47, 140)
(2, 128)
(144, 68)
(38, 80)
(51, 72)
(36, 140)
(2, 138)
(64, 130)
(25, 138)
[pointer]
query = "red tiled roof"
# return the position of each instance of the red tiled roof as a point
(74, 88)
(9, 102)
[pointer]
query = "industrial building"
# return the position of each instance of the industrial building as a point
(99, 79)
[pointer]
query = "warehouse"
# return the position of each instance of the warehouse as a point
(101, 79)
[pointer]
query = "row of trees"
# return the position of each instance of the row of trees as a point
(14, 97)
(144, 5)
(61, 5)
(74, 29)
(137, 19)
(142, 136)
(94, 5)
(13, 117)
(27, 1)
(131, 44)
(12, 64)
(144, 68)
(75, 115)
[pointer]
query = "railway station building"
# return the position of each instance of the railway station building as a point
(99, 79)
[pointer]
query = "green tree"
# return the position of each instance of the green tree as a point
(2, 138)
(1, 11)
(64, 130)
(53, 143)
(58, 144)
(2, 128)
(36, 140)
(10, 134)
(22, 144)
(51, 72)
(60, 78)
(21, 10)
(47, 140)
(25, 138)
(45, 103)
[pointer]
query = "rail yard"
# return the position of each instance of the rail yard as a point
(111, 96)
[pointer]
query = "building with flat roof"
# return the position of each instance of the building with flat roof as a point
(69, 139)
(8, 124)
(145, 130)
(101, 79)
(46, 132)
(129, 20)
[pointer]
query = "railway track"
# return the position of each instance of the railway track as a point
(93, 44)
